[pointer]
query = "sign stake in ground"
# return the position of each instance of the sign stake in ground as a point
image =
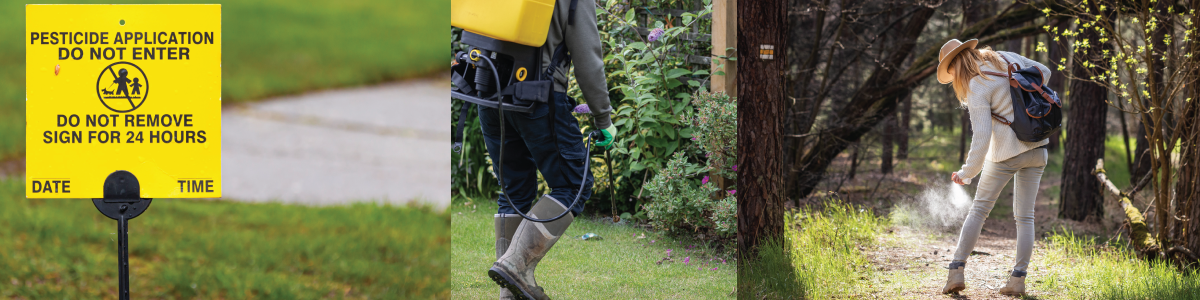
(94, 130)
(122, 201)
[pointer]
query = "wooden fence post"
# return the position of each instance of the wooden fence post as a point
(724, 36)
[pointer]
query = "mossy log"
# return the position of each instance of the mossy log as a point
(1138, 231)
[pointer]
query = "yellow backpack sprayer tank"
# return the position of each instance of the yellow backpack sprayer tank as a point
(523, 22)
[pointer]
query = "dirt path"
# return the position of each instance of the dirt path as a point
(911, 265)
(909, 262)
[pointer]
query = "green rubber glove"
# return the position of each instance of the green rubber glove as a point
(609, 134)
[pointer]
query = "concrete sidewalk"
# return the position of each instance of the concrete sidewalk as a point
(386, 143)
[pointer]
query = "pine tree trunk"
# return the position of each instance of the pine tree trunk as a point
(886, 141)
(760, 118)
(905, 121)
(1081, 191)
(853, 163)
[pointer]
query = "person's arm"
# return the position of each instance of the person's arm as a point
(583, 40)
(980, 110)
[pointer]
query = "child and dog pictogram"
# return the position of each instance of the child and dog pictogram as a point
(121, 90)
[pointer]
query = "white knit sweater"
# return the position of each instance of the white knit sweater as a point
(993, 140)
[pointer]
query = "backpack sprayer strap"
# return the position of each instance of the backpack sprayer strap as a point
(571, 13)
(457, 76)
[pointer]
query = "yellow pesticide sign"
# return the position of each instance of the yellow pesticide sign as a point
(123, 87)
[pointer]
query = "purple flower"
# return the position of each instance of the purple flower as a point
(582, 109)
(687, 259)
(731, 192)
(705, 181)
(695, 139)
(735, 168)
(651, 241)
(655, 34)
(699, 268)
(668, 252)
(714, 268)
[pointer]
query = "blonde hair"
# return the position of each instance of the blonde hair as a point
(966, 67)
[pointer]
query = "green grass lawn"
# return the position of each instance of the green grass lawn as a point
(621, 266)
(274, 47)
(200, 249)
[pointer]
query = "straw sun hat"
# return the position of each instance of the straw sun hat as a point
(949, 50)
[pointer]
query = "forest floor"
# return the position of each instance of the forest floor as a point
(921, 222)
(911, 254)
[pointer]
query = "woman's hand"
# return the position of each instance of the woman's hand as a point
(954, 177)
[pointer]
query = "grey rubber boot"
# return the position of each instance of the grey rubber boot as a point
(1015, 285)
(514, 271)
(955, 281)
(506, 226)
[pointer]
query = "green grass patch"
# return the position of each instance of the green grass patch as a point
(1081, 268)
(627, 264)
(824, 255)
(274, 47)
(65, 249)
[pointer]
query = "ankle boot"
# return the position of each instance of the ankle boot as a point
(506, 226)
(515, 269)
(956, 281)
(1015, 285)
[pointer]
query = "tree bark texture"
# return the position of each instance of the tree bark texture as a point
(760, 124)
(905, 121)
(1081, 191)
(887, 142)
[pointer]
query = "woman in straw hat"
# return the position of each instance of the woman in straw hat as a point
(995, 150)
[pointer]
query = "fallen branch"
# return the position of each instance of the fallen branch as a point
(1182, 250)
(1138, 231)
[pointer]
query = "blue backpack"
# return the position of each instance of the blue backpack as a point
(1042, 109)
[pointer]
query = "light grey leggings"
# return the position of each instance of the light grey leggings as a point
(1028, 169)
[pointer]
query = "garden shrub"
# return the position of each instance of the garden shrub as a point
(682, 192)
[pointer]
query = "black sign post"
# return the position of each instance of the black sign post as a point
(122, 201)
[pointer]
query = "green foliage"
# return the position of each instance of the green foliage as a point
(681, 204)
(650, 87)
(208, 249)
(715, 131)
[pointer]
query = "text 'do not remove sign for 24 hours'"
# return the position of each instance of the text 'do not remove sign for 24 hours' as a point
(123, 87)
